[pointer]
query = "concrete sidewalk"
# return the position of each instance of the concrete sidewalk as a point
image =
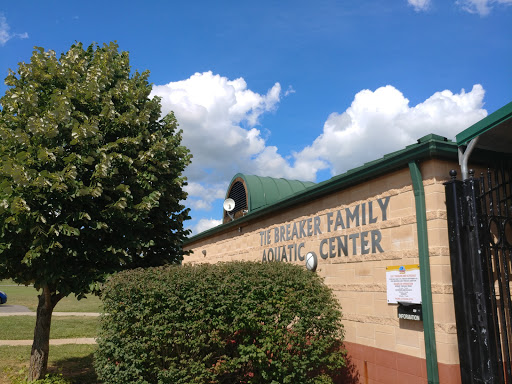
(89, 314)
(17, 310)
(80, 340)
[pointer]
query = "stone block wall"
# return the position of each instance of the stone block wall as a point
(386, 217)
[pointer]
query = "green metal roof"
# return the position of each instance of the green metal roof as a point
(263, 191)
(427, 147)
(494, 131)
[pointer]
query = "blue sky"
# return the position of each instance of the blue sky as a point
(296, 89)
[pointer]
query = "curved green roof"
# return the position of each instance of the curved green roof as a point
(427, 147)
(264, 191)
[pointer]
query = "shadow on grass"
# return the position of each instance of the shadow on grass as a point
(80, 370)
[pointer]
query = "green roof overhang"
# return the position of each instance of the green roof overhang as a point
(428, 147)
(263, 191)
(494, 131)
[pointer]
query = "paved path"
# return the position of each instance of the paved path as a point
(18, 310)
(80, 340)
(30, 313)
(7, 308)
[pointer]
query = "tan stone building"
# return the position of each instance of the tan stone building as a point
(360, 228)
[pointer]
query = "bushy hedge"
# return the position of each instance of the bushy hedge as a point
(223, 323)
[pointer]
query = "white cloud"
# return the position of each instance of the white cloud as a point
(481, 7)
(381, 121)
(205, 224)
(202, 196)
(289, 91)
(220, 118)
(5, 35)
(419, 5)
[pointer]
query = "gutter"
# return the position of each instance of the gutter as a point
(391, 162)
(426, 287)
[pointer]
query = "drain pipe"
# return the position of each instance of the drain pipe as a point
(426, 287)
(464, 157)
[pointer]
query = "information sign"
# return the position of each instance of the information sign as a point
(403, 284)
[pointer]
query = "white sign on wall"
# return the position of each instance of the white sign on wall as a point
(403, 284)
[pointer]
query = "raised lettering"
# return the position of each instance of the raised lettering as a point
(329, 221)
(342, 245)
(339, 221)
(384, 207)
(376, 238)
(332, 247)
(323, 255)
(310, 226)
(270, 251)
(317, 225)
(352, 216)
(302, 232)
(354, 238)
(301, 258)
(371, 219)
(282, 231)
(295, 234)
(365, 249)
(290, 248)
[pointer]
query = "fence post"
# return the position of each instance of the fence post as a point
(473, 312)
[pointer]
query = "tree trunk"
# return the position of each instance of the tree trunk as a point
(41, 344)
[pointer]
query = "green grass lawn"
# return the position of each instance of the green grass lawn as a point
(22, 327)
(74, 362)
(27, 296)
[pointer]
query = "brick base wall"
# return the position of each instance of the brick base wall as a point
(368, 365)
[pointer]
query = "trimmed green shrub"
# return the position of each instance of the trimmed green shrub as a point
(227, 323)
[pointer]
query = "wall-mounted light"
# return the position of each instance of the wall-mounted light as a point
(204, 252)
(311, 261)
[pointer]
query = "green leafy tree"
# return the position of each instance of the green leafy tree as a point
(90, 178)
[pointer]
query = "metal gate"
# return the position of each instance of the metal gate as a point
(479, 212)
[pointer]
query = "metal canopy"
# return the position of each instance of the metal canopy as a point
(494, 131)
(263, 191)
